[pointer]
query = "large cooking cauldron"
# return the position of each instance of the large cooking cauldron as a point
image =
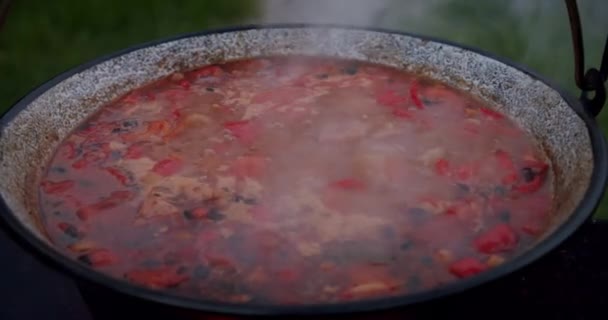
(563, 126)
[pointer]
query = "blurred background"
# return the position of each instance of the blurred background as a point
(41, 38)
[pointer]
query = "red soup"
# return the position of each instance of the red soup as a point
(295, 180)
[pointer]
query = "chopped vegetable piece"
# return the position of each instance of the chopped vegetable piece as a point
(465, 172)
(195, 214)
(491, 114)
(185, 84)
(135, 151)
(69, 150)
(467, 267)
(414, 95)
(160, 128)
(168, 167)
(495, 260)
(164, 277)
(365, 289)
(501, 238)
(114, 199)
(120, 175)
(50, 187)
(442, 167)
(98, 258)
(82, 246)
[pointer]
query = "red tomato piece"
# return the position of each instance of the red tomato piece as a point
(88, 158)
(466, 267)
(465, 172)
(99, 258)
(249, 166)
(534, 228)
(68, 150)
(121, 176)
(134, 151)
(176, 114)
(164, 277)
(458, 208)
(114, 199)
(208, 71)
(150, 96)
(50, 187)
(159, 127)
(349, 184)
(244, 130)
(167, 167)
(200, 213)
(414, 96)
(539, 170)
(501, 238)
(539, 166)
(491, 114)
(442, 167)
(530, 187)
(131, 98)
(184, 84)
(196, 214)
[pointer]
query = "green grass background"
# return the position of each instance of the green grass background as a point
(42, 38)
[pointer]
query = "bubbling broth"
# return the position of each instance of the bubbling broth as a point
(295, 180)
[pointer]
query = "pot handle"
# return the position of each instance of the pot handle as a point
(593, 80)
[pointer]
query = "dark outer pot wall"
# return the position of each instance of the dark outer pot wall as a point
(492, 70)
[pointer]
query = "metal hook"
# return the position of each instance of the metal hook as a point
(593, 80)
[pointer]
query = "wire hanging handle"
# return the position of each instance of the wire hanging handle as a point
(593, 80)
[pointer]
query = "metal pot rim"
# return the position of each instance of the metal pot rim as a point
(582, 213)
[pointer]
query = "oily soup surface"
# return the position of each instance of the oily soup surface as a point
(336, 179)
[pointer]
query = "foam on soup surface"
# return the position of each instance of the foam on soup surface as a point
(295, 180)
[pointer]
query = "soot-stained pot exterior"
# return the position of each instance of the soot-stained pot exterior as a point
(33, 128)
